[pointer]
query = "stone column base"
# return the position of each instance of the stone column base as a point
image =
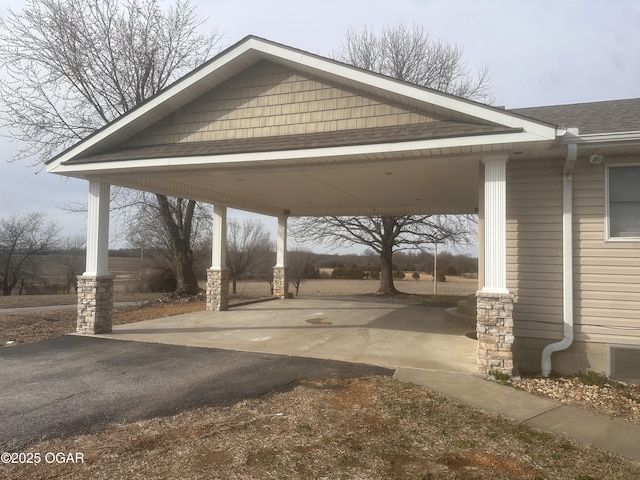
(280, 282)
(217, 290)
(95, 304)
(495, 332)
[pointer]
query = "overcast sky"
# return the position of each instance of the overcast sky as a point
(538, 53)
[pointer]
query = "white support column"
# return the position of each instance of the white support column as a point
(281, 244)
(280, 277)
(95, 285)
(494, 308)
(495, 224)
(219, 241)
(98, 229)
(218, 275)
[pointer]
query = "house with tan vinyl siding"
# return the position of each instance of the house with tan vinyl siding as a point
(271, 129)
(605, 261)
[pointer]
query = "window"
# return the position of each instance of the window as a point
(624, 201)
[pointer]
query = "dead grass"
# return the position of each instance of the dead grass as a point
(33, 326)
(24, 301)
(373, 428)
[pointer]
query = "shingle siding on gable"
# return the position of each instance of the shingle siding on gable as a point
(269, 100)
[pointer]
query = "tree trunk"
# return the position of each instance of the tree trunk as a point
(234, 284)
(387, 240)
(386, 274)
(177, 218)
(185, 276)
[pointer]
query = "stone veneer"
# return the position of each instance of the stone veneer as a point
(495, 332)
(217, 290)
(95, 304)
(280, 282)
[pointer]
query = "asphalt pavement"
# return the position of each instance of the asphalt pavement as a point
(76, 384)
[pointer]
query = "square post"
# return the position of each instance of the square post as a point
(95, 285)
(218, 275)
(280, 277)
(495, 303)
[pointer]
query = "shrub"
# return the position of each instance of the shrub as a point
(415, 276)
(374, 274)
(162, 281)
(398, 274)
(349, 273)
(450, 270)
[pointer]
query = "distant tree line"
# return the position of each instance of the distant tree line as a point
(448, 263)
(24, 240)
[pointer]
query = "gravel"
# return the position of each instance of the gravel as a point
(607, 397)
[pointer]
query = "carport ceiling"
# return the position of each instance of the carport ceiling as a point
(410, 186)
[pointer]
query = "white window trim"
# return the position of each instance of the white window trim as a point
(608, 237)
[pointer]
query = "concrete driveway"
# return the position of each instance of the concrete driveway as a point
(75, 384)
(375, 331)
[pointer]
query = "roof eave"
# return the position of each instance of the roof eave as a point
(609, 139)
(489, 143)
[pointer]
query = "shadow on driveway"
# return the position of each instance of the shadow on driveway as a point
(76, 384)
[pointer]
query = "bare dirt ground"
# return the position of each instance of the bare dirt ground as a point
(373, 428)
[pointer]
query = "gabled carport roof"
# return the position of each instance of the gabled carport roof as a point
(427, 153)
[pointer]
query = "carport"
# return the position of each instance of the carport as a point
(268, 128)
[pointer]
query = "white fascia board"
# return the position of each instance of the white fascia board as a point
(428, 96)
(239, 158)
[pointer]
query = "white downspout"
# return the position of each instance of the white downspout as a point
(567, 258)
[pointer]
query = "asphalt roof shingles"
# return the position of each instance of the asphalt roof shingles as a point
(594, 117)
(590, 118)
(365, 136)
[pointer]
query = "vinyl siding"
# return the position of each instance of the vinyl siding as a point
(270, 100)
(534, 246)
(606, 274)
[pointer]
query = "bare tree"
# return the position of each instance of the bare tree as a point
(383, 235)
(72, 259)
(21, 237)
(246, 244)
(73, 66)
(300, 266)
(409, 53)
(264, 265)
(182, 234)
